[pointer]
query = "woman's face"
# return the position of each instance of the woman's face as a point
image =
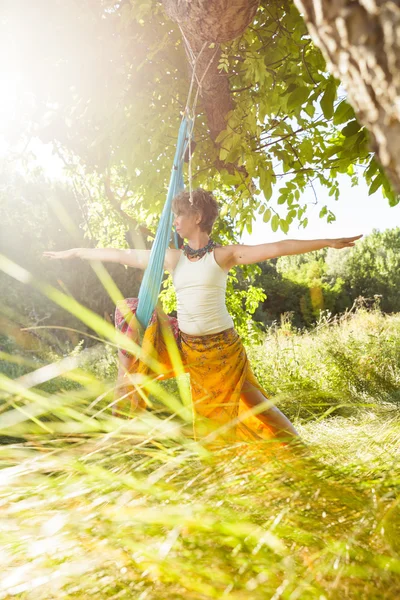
(186, 224)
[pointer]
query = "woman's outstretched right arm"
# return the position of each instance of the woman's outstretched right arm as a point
(133, 258)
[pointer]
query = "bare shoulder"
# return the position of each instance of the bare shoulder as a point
(225, 256)
(172, 257)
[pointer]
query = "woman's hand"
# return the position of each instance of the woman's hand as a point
(339, 243)
(62, 255)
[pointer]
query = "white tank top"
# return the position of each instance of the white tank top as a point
(200, 289)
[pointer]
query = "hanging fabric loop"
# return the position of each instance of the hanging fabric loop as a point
(151, 282)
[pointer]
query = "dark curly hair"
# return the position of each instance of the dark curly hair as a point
(203, 203)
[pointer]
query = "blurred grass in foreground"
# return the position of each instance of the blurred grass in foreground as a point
(110, 516)
(97, 506)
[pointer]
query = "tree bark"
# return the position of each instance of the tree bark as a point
(212, 21)
(215, 93)
(360, 40)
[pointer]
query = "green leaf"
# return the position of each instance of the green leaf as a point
(236, 140)
(307, 150)
(332, 150)
(224, 210)
(328, 99)
(331, 218)
(275, 223)
(221, 136)
(291, 88)
(372, 169)
(298, 97)
(393, 198)
(250, 164)
(351, 128)
(309, 109)
(223, 153)
(344, 112)
(233, 155)
(266, 182)
(267, 215)
(376, 183)
(281, 199)
(268, 192)
(284, 225)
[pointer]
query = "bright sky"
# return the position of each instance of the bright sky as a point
(355, 212)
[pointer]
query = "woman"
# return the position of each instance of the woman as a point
(224, 389)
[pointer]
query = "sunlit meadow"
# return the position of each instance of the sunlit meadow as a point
(99, 506)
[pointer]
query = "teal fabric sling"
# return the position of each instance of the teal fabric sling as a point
(152, 278)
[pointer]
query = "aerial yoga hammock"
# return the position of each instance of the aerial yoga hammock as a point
(217, 364)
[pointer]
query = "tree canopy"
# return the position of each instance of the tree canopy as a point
(107, 82)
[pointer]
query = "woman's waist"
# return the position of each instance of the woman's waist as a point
(196, 312)
(212, 339)
(204, 320)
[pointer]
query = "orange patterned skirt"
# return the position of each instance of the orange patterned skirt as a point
(218, 368)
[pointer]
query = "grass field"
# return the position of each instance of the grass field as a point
(95, 506)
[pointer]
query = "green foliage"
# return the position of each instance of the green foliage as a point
(309, 271)
(286, 129)
(341, 366)
(371, 268)
(39, 216)
(168, 296)
(241, 304)
(299, 285)
(328, 280)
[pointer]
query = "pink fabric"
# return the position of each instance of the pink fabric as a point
(122, 322)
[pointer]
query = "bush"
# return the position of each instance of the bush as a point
(341, 365)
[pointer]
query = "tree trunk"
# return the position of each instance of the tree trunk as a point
(360, 40)
(215, 94)
(212, 21)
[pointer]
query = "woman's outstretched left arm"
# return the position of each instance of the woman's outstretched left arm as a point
(247, 255)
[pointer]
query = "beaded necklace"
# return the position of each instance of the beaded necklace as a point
(190, 253)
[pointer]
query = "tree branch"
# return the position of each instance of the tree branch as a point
(116, 205)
